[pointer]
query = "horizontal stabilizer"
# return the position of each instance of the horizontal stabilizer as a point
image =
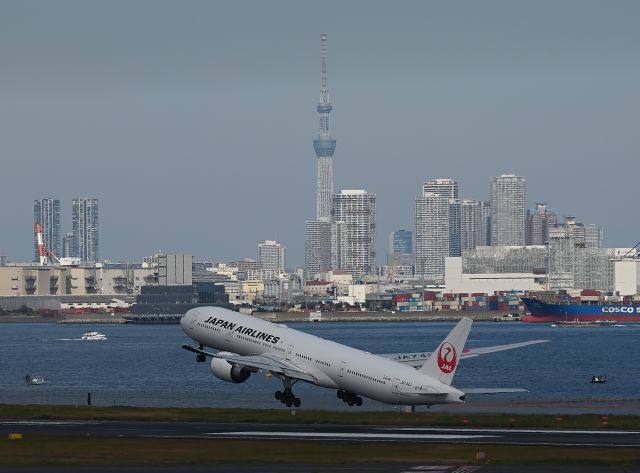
(199, 351)
(492, 390)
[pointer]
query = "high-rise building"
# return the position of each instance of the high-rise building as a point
(485, 207)
(324, 145)
(539, 220)
(357, 209)
(338, 245)
(471, 227)
(67, 245)
(455, 237)
(443, 186)
(507, 210)
(85, 229)
(432, 235)
(400, 248)
(271, 255)
(448, 188)
(317, 247)
(47, 213)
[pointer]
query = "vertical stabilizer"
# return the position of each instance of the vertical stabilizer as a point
(443, 362)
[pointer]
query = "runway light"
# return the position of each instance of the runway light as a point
(15, 436)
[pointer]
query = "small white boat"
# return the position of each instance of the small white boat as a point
(94, 336)
(35, 380)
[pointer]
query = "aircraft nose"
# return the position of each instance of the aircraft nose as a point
(187, 321)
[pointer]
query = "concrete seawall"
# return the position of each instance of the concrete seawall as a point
(278, 317)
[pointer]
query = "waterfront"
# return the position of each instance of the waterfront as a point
(143, 365)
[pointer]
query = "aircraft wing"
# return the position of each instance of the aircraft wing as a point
(417, 359)
(267, 361)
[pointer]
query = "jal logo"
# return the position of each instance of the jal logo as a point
(447, 358)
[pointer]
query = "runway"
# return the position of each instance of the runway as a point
(330, 433)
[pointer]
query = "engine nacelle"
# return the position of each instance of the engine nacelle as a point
(229, 372)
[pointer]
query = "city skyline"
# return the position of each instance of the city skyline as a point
(158, 116)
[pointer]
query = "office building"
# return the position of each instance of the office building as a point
(400, 248)
(507, 210)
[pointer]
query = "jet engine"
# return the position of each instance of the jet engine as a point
(229, 372)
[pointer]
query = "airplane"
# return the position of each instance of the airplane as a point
(248, 345)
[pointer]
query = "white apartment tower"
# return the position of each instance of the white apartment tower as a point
(356, 209)
(270, 255)
(431, 235)
(507, 210)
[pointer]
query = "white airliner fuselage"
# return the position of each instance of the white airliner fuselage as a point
(248, 344)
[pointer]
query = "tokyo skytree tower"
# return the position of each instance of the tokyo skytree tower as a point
(324, 146)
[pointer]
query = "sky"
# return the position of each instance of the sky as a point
(192, 122)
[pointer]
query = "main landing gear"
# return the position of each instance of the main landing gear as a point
(349, 397)
(286, 396)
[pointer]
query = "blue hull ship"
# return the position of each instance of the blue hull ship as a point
(540, 311)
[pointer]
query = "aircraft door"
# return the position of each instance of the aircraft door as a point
(396, 386)
(227, 336)
(342, 368)
(289, 351)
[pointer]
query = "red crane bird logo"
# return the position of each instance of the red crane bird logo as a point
(447, 358)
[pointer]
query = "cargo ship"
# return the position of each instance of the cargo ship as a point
(554, 311)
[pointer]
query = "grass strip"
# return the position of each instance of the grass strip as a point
(162, 452)
(275, 416)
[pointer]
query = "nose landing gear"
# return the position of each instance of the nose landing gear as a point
(349, 397)
(200, 357)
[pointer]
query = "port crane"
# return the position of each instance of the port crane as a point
(45, 254)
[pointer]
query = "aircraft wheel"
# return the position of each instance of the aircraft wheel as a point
(278, 395)
(340, 394)
(358, 401)
(297, 402)
(350, 402)
(200, 358)
(288, 403)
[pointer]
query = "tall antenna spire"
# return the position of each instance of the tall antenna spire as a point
(324, 146)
